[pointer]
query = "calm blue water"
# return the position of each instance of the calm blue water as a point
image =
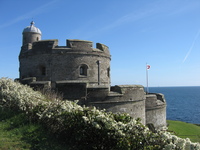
(183, 103)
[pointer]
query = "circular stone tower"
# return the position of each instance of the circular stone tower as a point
(77, 65)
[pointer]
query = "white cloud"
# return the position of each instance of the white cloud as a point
(193, 43)
(30, 14)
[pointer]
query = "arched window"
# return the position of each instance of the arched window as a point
(37, 39)
(83, 70)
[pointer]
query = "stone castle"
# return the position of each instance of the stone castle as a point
(81, 71)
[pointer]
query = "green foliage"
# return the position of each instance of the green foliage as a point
(83, 127)
(125, 118)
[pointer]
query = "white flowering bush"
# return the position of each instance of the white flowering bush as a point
(87, 127)
(15, 96)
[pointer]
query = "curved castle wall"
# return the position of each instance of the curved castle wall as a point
(128, 99)
(156, 110)
(77, 61)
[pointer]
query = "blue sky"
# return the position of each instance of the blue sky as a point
(162, 33)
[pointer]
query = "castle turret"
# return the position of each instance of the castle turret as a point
(31, 34)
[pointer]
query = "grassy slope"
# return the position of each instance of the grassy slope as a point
(16, 132)
(185, 130)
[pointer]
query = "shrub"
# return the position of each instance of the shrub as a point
(85, 127)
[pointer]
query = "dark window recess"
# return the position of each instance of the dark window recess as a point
(108, 72)
(83, 70)
(43, 70)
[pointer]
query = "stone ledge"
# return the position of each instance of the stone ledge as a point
(113, 94)
(71, 81)
(154, 108)
(112, 102)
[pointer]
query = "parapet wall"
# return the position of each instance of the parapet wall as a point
(45, 44)
(81, 44)
(102, 47)
(86, 46)
(130, 92)
(128, 99)
(156, 110)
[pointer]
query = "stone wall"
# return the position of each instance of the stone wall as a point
(128, 99)
(30, 37)
(156, 110)
(71, 90)
(49, 62)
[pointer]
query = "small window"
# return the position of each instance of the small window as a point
(83, 70)
(43, 70)
(108, 72)
(37, 38)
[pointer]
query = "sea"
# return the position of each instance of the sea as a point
(183, 103)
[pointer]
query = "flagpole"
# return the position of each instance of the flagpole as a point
(147, 91)
(147, 68)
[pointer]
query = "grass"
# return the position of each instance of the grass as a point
(184, 130)
(18, 133)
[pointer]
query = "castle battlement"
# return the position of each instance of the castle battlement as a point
(72, 46)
